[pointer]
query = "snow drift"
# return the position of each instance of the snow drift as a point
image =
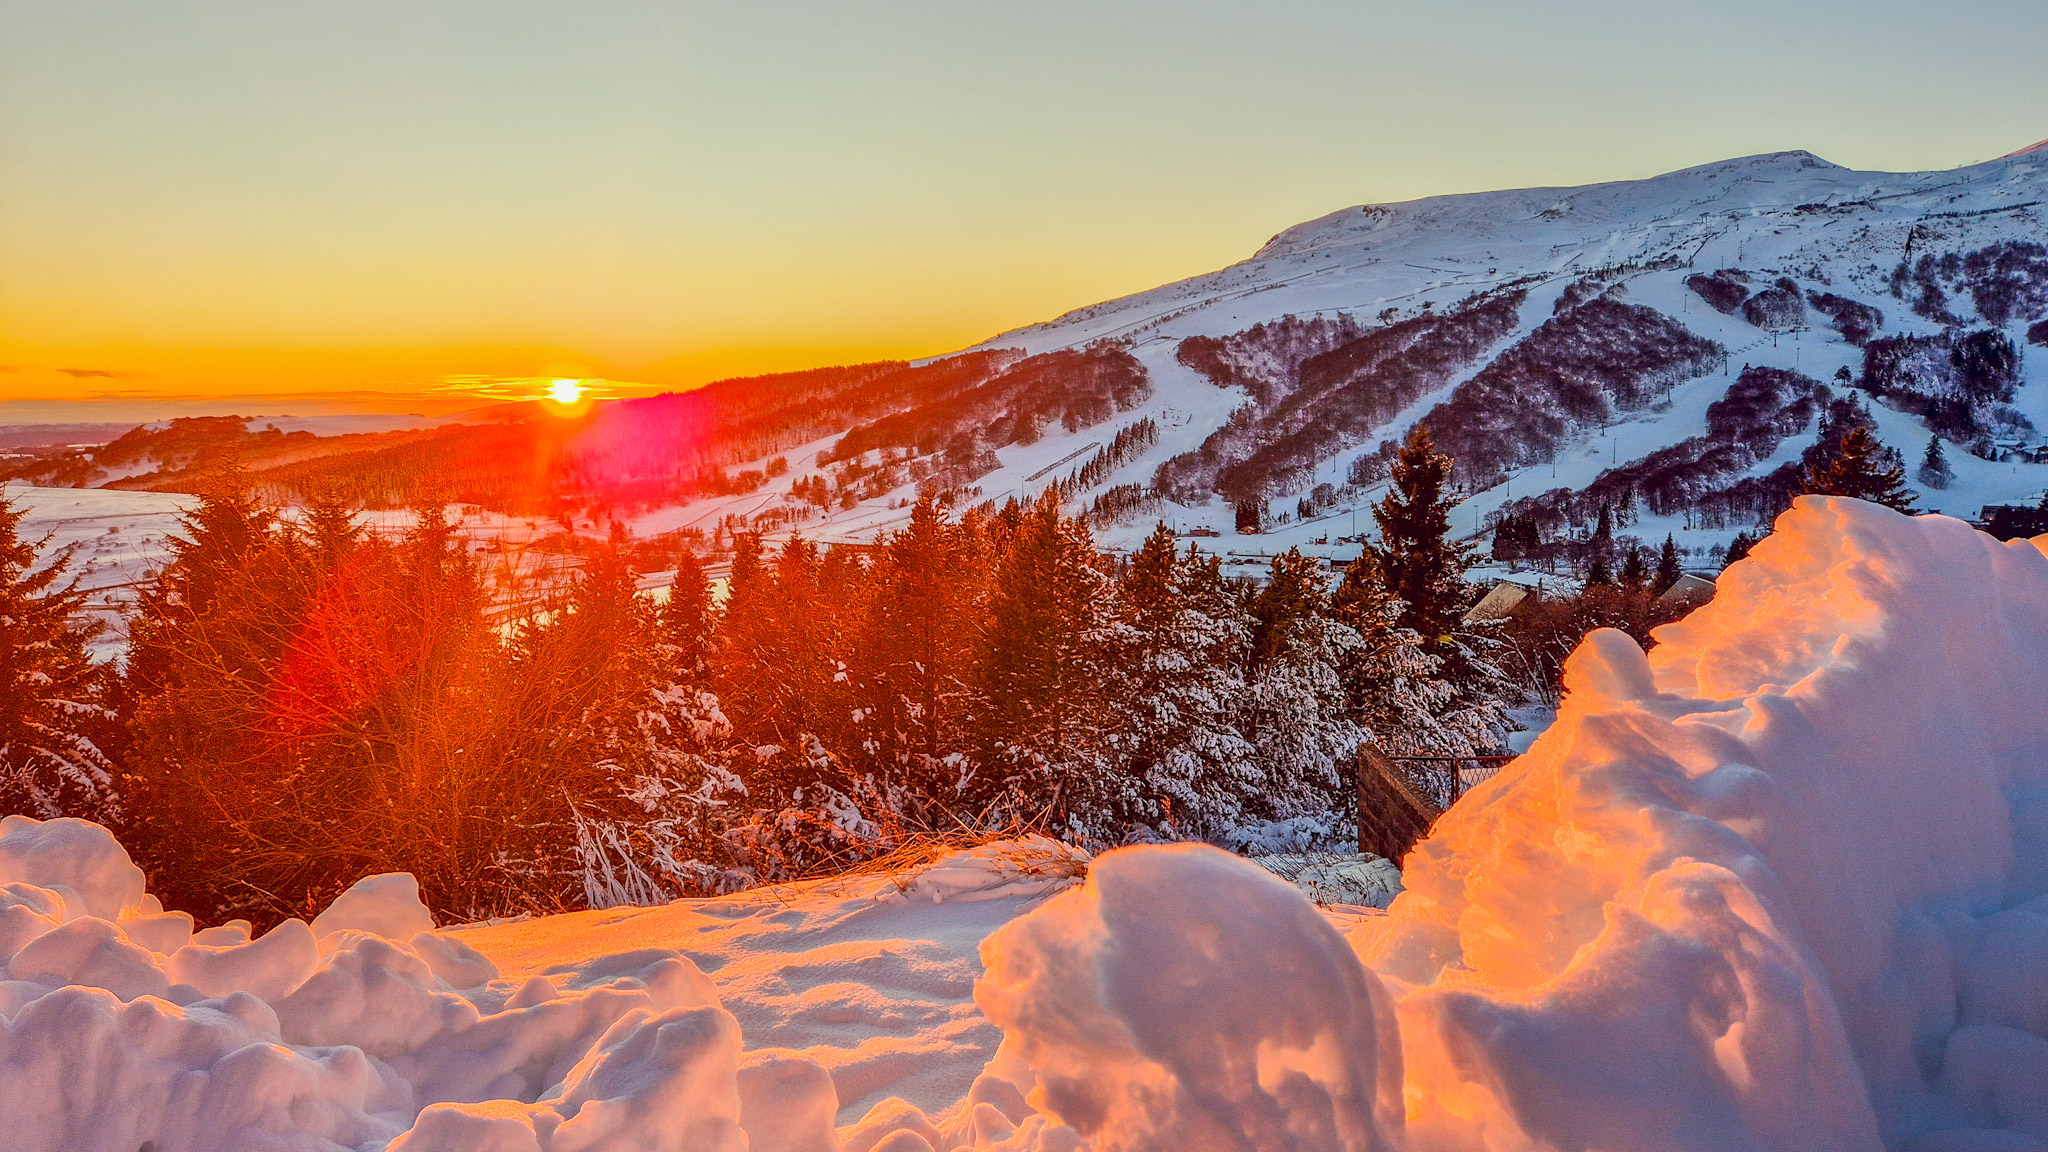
(1782, 884)
(1778, 885)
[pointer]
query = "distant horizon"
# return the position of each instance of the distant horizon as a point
(454, 395)
(215, 199)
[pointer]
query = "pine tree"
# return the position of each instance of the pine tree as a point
(1738, 548)
(621, 740)
(1508, 539)
(1045, 684)
(53, 698)
(1180, 639)
(1635, 574)
(1391, 684)
(1934, 470)
(1424, 568)
(1668, 569)
(1861, 467)
(914, 661)
(781, 664)
(689, 620)
(1597, 573)
(1298, 717)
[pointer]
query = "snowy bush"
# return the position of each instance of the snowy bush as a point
(1777, 308)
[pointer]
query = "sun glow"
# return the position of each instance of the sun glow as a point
(566, 391)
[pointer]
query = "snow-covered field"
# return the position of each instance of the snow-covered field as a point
(1783, 884)
(117, 538)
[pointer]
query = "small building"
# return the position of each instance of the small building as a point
(1688, 592)
(1501, 602)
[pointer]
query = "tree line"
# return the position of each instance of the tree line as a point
(303, 701)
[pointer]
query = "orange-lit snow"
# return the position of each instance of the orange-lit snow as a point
(1783, 884)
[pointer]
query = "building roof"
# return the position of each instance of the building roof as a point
(1688, 590)
(1501, 601)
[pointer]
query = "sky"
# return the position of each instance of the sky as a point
(409, 202)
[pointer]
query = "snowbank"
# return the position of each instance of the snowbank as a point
(1783, 884)
(1778, 885)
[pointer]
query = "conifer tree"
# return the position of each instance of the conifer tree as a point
(1860, 466)
(53, 698)
(1423, 566)
(1180, 639)
(1297, 715)
(620, 739)
(1635, 573)
(1598, 574)
(914, 662)
(1391, 684)
(1668, 568)
(1044, 686)
(689, 620)
(780, 670)
(1934, 468)
(1739, 548)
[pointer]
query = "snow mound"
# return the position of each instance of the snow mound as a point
(1778, 885)
(1187, 998)
(120, 1028)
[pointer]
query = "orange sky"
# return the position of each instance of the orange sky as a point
(203, 197)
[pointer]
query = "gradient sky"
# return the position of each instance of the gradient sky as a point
(282, 196)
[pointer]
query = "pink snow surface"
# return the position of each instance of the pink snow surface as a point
(1781, 885)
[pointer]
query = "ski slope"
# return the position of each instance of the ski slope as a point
(1785, 214)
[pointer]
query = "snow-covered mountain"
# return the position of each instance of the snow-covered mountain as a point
(1580, 342)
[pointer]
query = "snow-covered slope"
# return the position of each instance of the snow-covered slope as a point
(1780, 885)
(1601, 346)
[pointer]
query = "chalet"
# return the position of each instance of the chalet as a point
(1501, 602)
(1688, 592)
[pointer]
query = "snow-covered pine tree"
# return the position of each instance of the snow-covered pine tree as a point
(689, 620)
(1418, 558)
(1181, 637)
(913, 664)
(1635, 573)
(1298, 716)
(1045, 731)
(1423, 566)
(53, 698)
(1391, 683)
(1860, 466)
(1934, 468)
(1668, 568)
(634, 753)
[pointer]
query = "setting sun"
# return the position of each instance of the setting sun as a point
(566, 391)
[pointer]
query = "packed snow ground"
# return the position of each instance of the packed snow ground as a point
(1782, 884)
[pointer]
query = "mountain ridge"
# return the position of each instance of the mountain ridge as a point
(1566, 344)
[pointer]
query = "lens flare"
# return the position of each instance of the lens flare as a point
(566, 391)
